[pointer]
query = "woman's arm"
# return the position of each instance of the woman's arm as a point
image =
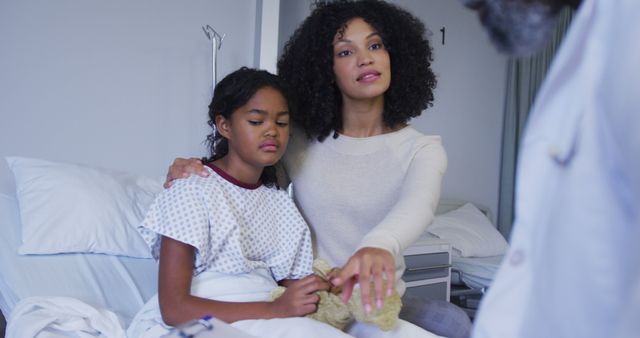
(182, 168)
(418, 199)
(402, 226)
(365, 265)
(177, 305)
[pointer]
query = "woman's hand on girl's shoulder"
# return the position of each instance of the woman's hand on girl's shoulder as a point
(182, 168)
(365, 266)
(300, 298)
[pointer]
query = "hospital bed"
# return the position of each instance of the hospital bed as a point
(70, 258)
(478, 250)
(470, 279)
(120, 284)
(103, 281)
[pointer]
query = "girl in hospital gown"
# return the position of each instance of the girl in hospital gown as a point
(225, 241)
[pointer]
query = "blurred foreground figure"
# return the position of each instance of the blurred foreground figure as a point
(573, 267)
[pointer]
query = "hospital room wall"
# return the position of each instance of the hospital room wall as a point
(469, 98)
(118, 84)
(125, 85)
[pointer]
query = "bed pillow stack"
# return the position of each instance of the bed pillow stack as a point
(70, 208)
(469, 231)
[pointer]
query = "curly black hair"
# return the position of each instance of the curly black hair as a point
(306, 64)
(231, 93)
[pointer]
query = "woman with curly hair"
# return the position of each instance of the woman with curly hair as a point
(366, 182)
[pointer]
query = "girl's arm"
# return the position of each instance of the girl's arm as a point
(287, 282)
(177, 305)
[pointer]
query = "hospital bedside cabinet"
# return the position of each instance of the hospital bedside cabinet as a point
(428, 271)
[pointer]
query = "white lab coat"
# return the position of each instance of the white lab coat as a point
(573, 269)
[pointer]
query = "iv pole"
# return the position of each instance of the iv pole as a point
(216, 43)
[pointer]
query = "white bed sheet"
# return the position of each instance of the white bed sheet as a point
(477, 272)
(119, 284)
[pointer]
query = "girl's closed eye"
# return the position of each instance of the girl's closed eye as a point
(255, 122)
(344, 53)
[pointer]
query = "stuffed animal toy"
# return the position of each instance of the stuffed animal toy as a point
(333, 311)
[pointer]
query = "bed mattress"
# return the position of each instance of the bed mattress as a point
(477, 272)
(120, 284)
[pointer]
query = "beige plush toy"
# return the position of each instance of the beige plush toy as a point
(332, 311)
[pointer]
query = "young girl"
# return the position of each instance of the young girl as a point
(226, 240)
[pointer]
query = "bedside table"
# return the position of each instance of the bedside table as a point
(428, 272)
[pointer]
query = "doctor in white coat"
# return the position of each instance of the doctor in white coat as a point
(573, 269)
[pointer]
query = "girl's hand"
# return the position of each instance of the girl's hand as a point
(365, 265)
(182, 168)
(299, 299)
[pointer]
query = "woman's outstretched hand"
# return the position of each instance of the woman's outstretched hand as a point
(366, 265)
(182, 168)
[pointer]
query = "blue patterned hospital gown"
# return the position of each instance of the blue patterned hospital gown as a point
(235, 228)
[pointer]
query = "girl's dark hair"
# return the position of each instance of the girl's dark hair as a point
(231, 93)
(306, 64)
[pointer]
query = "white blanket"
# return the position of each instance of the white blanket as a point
(49, 317)
(54, 317)
(252, 287)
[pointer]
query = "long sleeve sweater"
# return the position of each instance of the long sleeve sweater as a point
(379, 191)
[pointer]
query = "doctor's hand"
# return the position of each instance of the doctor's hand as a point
(182, 168)
(300, 298)
(365, 265)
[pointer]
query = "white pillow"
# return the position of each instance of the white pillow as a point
(73, 208)
(469, 231)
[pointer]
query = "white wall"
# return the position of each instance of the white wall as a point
(468, 100)
(125, 84)
(119, 84)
